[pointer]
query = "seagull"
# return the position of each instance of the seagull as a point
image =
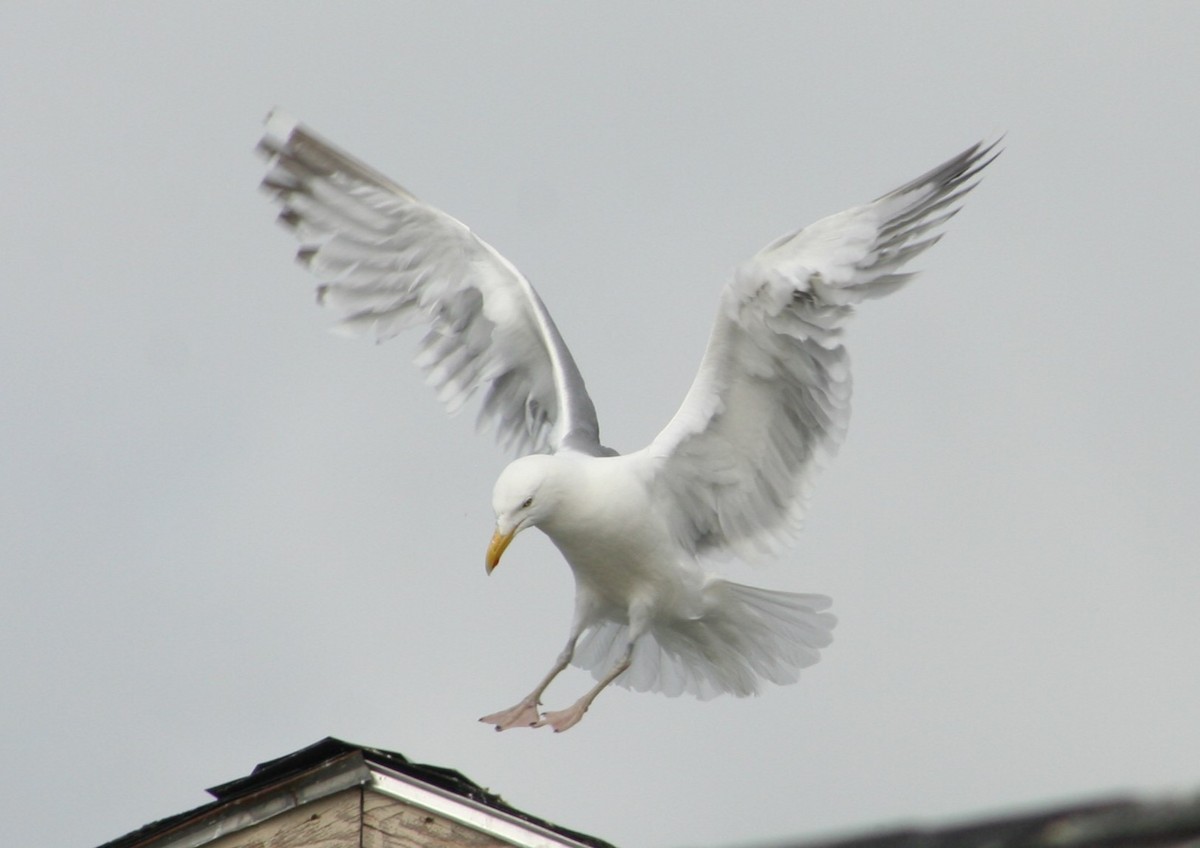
(728, 476)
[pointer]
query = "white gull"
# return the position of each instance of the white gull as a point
(728, 475)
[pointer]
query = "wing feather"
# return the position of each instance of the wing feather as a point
(387, 262)
(771, 400)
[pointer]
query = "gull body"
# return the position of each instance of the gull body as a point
(594, 511)
(644, 608)
(728, 475)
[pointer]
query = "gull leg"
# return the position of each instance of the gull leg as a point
(525, 713)
(562, 720)
(639, 618)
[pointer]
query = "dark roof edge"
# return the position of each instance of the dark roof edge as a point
(1114, 823)
(273, 771)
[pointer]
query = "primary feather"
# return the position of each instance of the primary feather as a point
(772, 396)
(387, 262)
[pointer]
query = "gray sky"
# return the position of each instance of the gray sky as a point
(226, 533)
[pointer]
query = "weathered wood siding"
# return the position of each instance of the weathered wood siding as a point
(358, 819)
(333, 822)
(388, 823)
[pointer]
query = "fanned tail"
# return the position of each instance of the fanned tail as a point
(744, 636)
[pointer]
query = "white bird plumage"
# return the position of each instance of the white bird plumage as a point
(728, 475)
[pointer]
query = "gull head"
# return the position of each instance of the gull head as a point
(523, 496)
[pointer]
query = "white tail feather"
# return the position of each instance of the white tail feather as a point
(744, 636)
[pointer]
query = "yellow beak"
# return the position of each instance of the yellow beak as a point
(496, 547)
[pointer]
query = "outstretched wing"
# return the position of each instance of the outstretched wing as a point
(772, 397)
(387, 261)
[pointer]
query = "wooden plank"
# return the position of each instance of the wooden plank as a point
(389, 823)
(333, 822)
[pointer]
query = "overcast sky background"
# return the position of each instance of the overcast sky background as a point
(227, 533)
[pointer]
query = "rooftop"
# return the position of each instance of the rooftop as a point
(331, 766)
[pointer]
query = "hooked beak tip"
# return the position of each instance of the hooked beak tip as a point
(496, 547)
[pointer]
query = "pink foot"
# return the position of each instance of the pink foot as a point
(524, 714)
(562, 720)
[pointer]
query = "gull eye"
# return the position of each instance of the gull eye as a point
(527, 503)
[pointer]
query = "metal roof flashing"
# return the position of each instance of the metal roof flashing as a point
(467, 811)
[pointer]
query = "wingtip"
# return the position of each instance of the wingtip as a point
(988, 152)
(279, 124)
